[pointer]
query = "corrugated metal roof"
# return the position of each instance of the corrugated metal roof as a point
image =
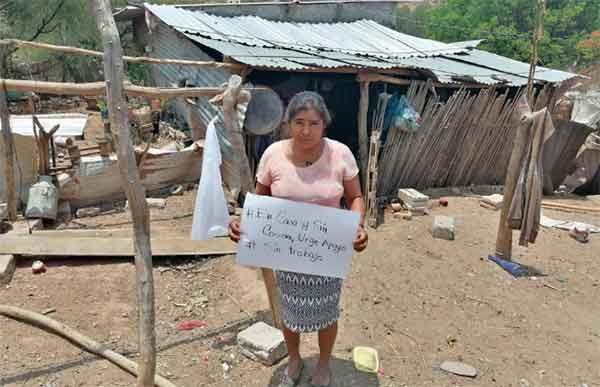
(361, 44)
(510, 66)
(362, 37)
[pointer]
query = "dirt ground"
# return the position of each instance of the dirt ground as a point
(417, 300)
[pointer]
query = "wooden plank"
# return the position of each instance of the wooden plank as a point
(53, 245)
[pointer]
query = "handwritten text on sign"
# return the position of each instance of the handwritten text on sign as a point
(299, 237)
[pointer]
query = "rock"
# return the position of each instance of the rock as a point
(492, 202)
(458, 368)
(37, 224)
(156, 203)
(8, 264)
(443, 227)
(262, 343)
(417, 211)
(3, 211)
(224, 340)
(38, 267)
(152, 203)
(87, 212)
(64, 211)
(405, 215)
(396, 207)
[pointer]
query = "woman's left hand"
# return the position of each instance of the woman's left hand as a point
(361, 240)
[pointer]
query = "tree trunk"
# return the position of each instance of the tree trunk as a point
(73, 336)
(8, 148)
(117, 107)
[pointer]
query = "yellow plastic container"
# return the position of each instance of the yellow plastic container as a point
(366, 359)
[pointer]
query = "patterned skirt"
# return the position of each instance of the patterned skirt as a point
(309, 303)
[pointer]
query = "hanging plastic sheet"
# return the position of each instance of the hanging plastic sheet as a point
(400, 115)
(211, 217)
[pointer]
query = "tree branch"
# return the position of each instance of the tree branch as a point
(46, 22)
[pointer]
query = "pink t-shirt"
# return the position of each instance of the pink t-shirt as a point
(320, 183)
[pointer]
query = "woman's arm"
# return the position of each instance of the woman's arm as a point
(263, 190)
(354, 198)
(234, 223)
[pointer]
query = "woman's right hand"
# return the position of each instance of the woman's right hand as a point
(234, 229)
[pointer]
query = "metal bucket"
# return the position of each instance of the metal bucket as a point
(43, 200)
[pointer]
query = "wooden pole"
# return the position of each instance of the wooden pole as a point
(363, 139)
(73, 336)
(537, 35)
(504, 237)
(129, 59)
(8, 148)
(94, 89)
(134, 190)
(230, 120)
(43, 140)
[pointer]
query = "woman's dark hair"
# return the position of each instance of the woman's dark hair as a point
(307, 100)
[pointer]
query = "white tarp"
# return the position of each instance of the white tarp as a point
(567, 225)
(71, 124)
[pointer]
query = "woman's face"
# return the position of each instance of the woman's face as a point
(306, 128)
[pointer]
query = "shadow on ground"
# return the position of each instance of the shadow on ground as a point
(343, 372)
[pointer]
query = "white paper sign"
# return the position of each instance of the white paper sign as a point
(304, 238)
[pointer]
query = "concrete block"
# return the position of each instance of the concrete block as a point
(262, 343)
(492, 201)
(413, 198)
(8, 264)
(443, 227)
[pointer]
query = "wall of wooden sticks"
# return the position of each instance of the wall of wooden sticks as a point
(463, 141)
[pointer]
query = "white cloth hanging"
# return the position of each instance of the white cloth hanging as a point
(211, 217)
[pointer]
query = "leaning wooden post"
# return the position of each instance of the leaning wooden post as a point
(537, 35)
(8, 148)
(504, 237)
(363, 139)
(230, 120)
(117, 107)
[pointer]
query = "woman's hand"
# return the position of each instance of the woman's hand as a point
(361, 240)
(234, 229)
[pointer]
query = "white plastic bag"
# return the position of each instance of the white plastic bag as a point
(211, 217)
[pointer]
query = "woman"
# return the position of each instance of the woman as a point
(312, 169)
